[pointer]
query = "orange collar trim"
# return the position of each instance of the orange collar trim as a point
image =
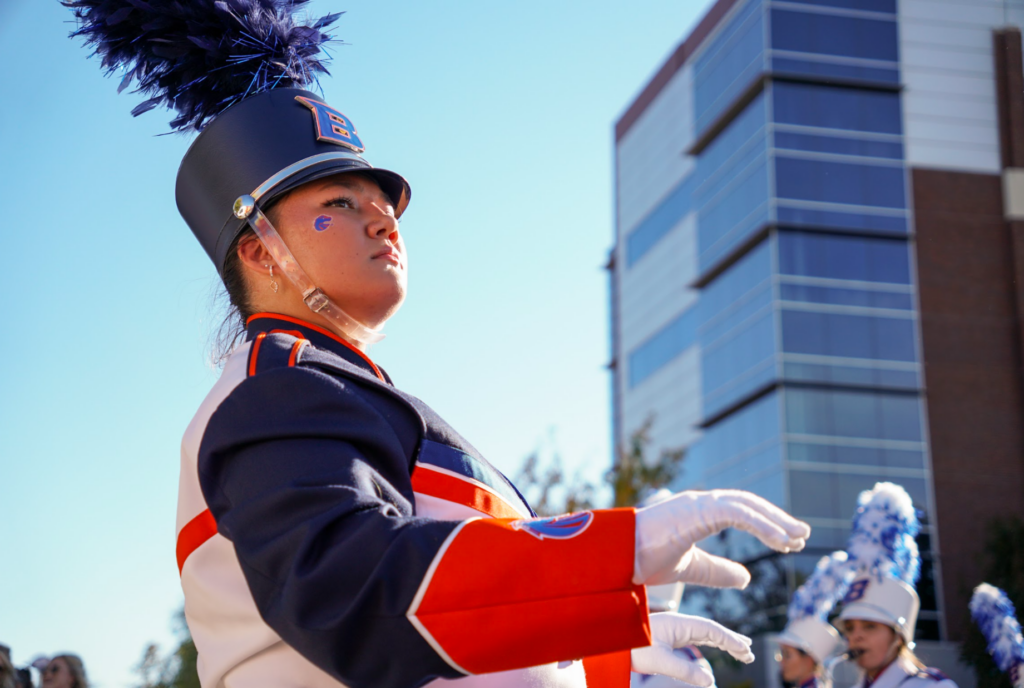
(321, 330)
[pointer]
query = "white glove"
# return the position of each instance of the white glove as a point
(666, 533)
(669, 631)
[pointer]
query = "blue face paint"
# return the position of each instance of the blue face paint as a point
(323, 222)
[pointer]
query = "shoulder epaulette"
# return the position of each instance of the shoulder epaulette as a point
(275, 349)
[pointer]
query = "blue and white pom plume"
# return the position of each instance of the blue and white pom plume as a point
(825, 586)
(199, 57)
(994, 613)
(884, 527)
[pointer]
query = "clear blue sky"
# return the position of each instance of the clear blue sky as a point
(500, 115)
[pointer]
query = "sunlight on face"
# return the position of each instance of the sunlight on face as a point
(344, 234)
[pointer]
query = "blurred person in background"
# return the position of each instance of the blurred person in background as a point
(8, 674)
(65, 671)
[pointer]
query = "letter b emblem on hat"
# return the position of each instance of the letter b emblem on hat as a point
(331, 125)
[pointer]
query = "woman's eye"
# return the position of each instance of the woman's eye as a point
(341, 202)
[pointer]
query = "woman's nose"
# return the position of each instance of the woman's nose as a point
(382, 225)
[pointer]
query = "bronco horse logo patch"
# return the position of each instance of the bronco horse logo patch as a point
(556, 527)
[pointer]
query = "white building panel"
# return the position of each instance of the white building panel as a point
(949, 99)
(986, 13)
(649, 158)
(929, 57)
(673, 399)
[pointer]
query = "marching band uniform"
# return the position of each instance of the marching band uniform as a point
(380, 509)
(903, 673)
(332, 530)
(895, 603)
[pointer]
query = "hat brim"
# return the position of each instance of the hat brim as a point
(394, 186)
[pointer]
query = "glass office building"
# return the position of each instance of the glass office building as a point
(764, 282)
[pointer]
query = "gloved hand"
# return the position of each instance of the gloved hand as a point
(666, 533)
(669, 631)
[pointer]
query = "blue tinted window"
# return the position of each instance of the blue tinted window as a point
(738, 363)
(859, 456)
(850, 336)
(839, 182)
(815, 494)
(660, 221)
(841, 257)
(835, 107)
(829, 34)
(752, 426)
(748, 125)
(847, 297)
(866, 415)
(867, 5)
(734, 215)
(671, 341)
(841, 146)
(731, 61)
(745, 275)
(721, 177)
(789, 215)
(783, 66)
(852, 375)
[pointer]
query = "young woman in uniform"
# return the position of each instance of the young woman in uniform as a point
(333, 530)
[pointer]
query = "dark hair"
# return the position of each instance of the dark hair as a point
(235, 299)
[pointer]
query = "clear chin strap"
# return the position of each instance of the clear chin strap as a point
(317, 301)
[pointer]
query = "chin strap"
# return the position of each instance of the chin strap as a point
(317, 301)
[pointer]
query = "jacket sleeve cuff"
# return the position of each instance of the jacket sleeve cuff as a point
(505, 594)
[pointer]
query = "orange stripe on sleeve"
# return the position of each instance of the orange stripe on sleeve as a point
(543, 595)
(195, 533)
(433, 483)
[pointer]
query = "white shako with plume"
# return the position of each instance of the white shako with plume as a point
(994, 613)
(884, 554)
(808, 628)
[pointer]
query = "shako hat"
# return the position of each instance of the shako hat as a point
(264, 146)
(236, 71)
(883, 550)
(808, 628)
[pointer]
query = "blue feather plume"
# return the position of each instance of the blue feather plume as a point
(825, 586)
(884, 527)
(199, 57)
(994, 613)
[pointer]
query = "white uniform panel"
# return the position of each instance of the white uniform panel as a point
(948, 72)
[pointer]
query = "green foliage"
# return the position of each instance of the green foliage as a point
(176, 670)
(1003, 567)
(631, 478)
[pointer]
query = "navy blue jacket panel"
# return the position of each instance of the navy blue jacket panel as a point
(307, 469)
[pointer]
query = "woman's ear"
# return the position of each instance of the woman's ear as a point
(253, 254)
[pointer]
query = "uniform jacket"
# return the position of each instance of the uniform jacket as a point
(903, 674)
(334, 531)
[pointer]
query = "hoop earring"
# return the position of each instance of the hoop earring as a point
(273, 282)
